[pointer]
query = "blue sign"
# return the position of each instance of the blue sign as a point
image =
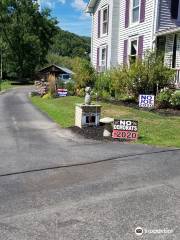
(146, 101)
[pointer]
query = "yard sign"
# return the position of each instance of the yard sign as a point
(62, 92)
(125, 129)
(146, 101)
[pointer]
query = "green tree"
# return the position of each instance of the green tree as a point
(28, 34)
(63, 61)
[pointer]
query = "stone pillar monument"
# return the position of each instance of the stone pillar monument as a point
(87, 114)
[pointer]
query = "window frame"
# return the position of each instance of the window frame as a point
(104, 47)
(105, 8)
(131, 12)
(129, 49)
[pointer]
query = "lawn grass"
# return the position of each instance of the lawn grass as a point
(5, 85)
(154, 128)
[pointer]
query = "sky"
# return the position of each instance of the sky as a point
(70, 14)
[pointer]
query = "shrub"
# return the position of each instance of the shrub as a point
(47, 96)
(84, 74)
(70, 86)
(60, 84)
(104, 94)
(175, 100)
(163, 98)
(147, 75)
(80, 92)
(103, 84)
(119, 81)
(142, 77)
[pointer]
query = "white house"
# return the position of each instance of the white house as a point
(125, 29)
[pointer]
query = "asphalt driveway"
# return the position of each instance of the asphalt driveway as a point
(55, 185)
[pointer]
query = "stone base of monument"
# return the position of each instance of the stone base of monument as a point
(107, 126)
(87, 115)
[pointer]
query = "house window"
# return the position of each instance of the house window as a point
(174, 9)
(104, 21)
(135, 11)
(133, 50)
(103, 56)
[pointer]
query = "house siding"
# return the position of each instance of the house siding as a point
(98, 41)
(135, 31)
(165, 21)
(114, 34)
(155, 17)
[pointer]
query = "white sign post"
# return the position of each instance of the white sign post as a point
(146, 101)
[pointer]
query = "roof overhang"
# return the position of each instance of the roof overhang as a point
(90, 6)
(167, 31)
(55, 69)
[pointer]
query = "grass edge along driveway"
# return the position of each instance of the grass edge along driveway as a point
(5, 85)
(154, 129)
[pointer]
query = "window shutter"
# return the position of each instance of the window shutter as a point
(174, 9)
(143, 10)
(127, 13)
(97, 60)
(125, 54)
(99, 24)
(140, 47)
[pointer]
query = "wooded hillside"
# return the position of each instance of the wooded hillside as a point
(70, 44)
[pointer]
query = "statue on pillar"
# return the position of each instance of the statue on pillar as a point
(88, 96)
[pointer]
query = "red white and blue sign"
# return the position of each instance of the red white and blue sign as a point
(62, 92)
(125, 130)
(146, 101)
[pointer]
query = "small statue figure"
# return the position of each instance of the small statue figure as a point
(88, 96)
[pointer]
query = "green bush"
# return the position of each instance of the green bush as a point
(104, 94)
(119, 82)
(81, 92)
(147, 75)
(47, 96)
(163, 98)
(60, 83)
(142, 77)
(84, 74)
(70, 86)
(103, 84)
(175, 100)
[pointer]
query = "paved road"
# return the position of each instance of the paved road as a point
(57, 186)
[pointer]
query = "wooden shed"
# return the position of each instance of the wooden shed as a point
(57, 71)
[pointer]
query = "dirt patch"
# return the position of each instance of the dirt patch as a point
(95, 133)
(168, 112)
